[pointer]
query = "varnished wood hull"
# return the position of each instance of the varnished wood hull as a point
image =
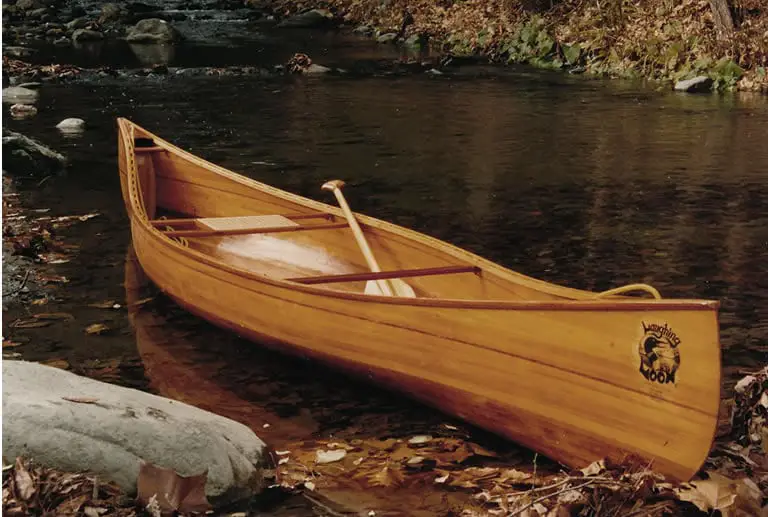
(553, 368)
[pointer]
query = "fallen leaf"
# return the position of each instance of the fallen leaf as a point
(309, 485)
(742, 385)
(96, 328)
(53, 316)
(82, 400)
(25, 485)
(420, 439)
(331, 456)
(443, 478)
(513, 476)
(386, 477)
(173, 492)
(72, 506)
(29, 324)
(91, 511)
(594, 468)
(143, 301)
(715, 493)
(57, 363)
(108, 304)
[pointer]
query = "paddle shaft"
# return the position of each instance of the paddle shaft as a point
(361, 241)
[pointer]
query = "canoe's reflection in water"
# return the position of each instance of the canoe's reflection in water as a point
(291, 403)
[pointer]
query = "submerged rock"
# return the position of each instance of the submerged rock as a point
(71, 125)
(25, 156)
(153, 30)
(316, 18)
(698, 84)
(73, 423)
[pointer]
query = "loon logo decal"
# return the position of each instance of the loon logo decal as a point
(659, 353)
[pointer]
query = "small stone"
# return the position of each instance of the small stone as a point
(110, 13)
(364, 30)
(18, 52)
(153, 30)
(37, 13)
(86, 35)
(19, 95)
(415, 41)
(27, 5)
(698, 84)
(22, 111)
(71, 125)
(388, 37)
(314, 69)
(77, 23)
(308, 20)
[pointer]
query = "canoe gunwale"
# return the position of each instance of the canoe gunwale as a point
(582, 300)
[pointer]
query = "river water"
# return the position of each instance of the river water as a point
(582, 182)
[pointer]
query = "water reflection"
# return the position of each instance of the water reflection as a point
(153, 54)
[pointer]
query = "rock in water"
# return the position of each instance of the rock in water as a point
(698, 84)
(22, 111)
(73, 423)
(19, 95)
(71, 125)
(27, 157)
(153, 30)
(86, 35)
(315, 18)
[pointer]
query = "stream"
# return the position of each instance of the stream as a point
(582, 182)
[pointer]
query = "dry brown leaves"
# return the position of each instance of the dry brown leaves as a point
(733, 483)
(654, 38)
(33, 490)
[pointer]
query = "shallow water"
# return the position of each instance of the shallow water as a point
(580, 182)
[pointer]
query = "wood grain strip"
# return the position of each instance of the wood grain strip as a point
(383, 275)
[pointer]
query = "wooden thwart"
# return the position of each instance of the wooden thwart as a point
(382, 275)
(192, 221)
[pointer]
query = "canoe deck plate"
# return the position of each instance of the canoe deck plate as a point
(246, 221)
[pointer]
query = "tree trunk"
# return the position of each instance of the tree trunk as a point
(721, 13)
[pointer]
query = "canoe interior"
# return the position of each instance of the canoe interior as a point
(185, 186)
(558, 369)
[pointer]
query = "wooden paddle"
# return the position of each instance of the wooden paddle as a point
(390, 287)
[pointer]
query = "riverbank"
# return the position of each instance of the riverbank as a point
(660, 41)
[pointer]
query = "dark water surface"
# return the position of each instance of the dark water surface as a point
(579, 182)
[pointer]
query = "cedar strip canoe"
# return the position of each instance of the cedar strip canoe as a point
(573, 374)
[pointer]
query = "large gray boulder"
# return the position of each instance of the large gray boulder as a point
(25, 156)
(73, 423)
(153, 30)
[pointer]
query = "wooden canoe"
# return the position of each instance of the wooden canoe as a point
(575, 375)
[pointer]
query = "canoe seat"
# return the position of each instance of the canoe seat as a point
(246, 221)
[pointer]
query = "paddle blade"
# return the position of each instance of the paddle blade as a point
(399, 288)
